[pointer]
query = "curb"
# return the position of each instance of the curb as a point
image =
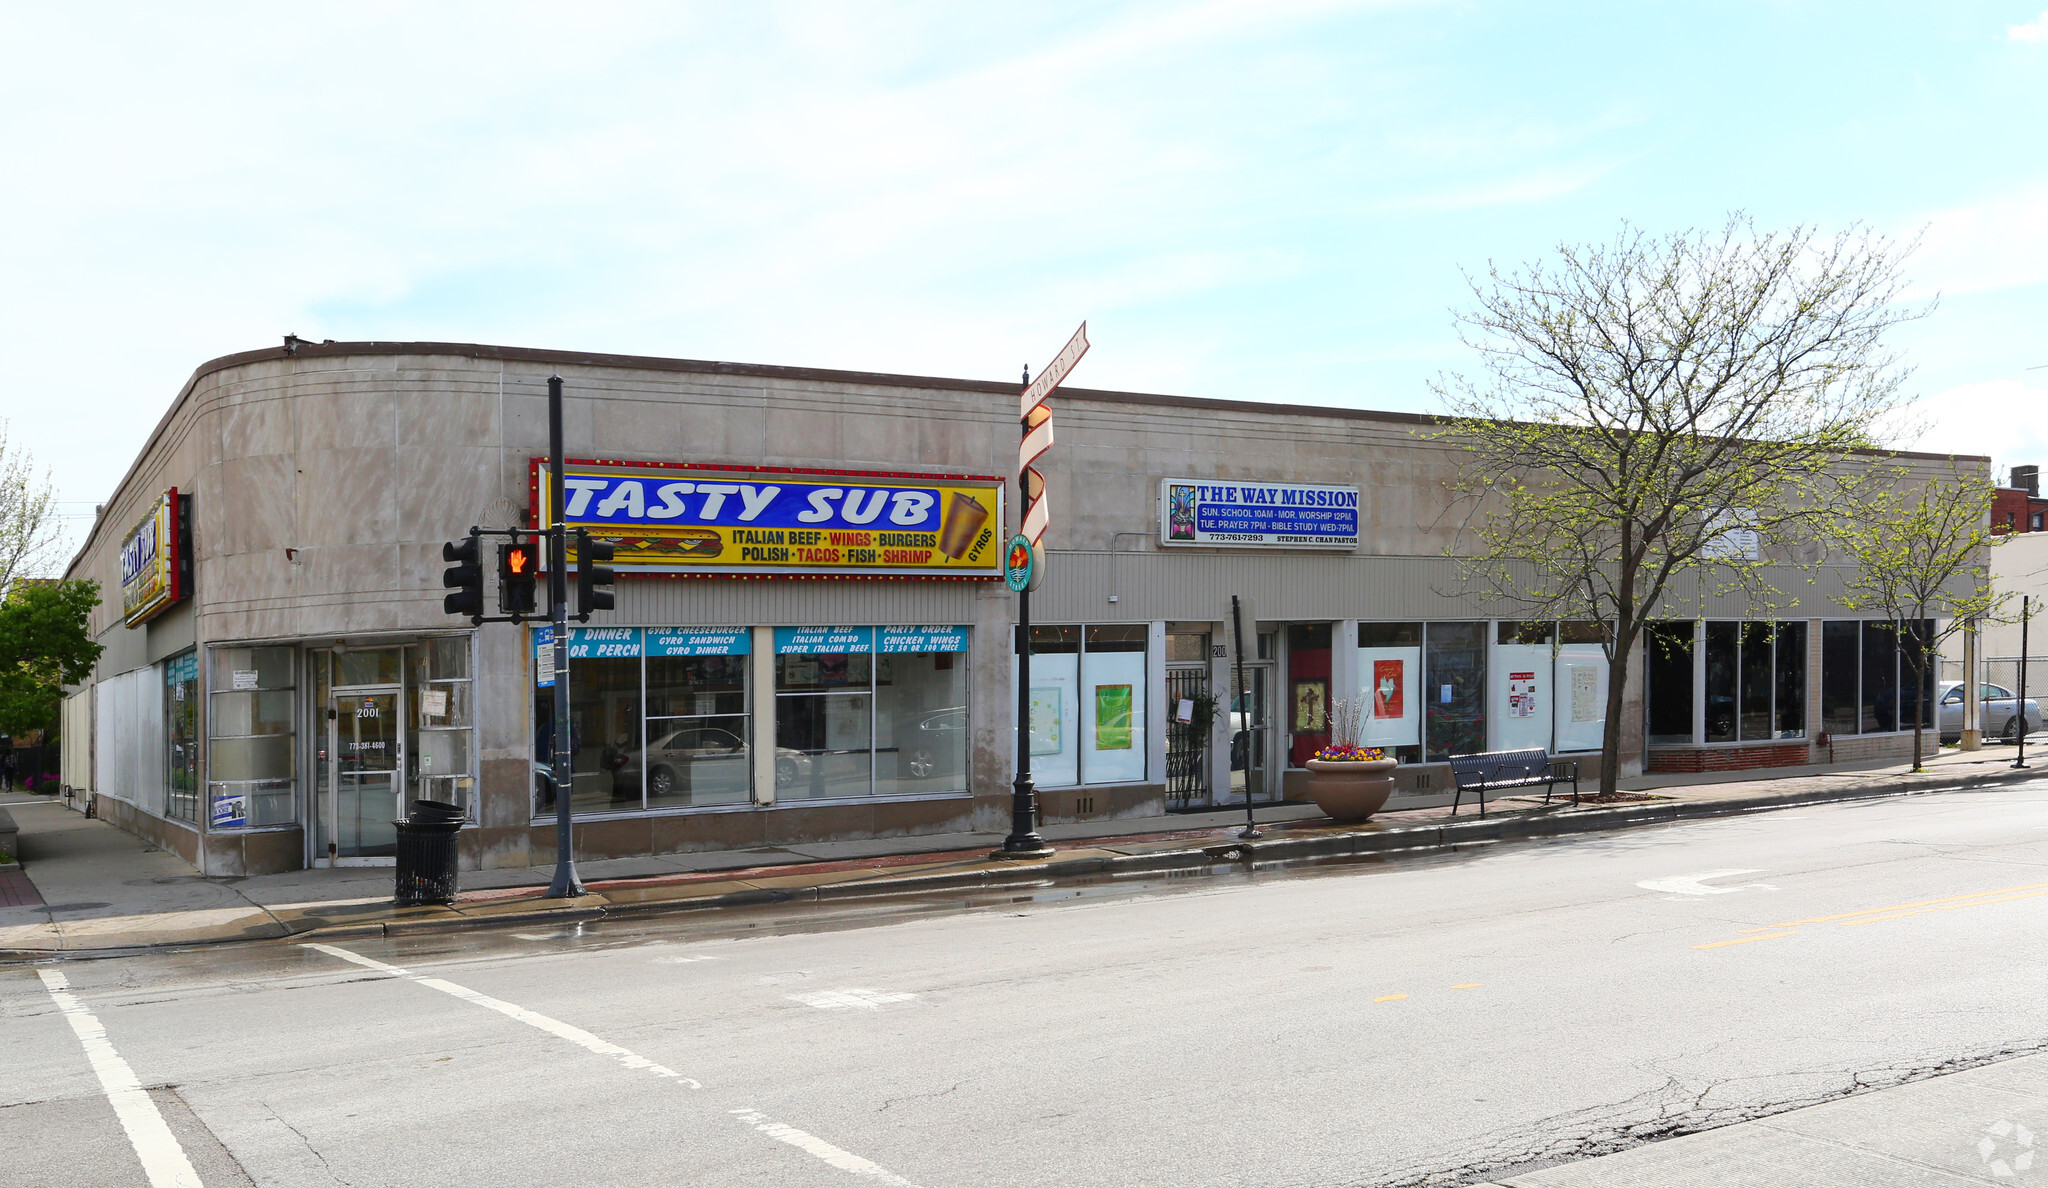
(1250, 854)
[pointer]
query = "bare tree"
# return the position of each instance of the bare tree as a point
(1663, 405)
(29, 529)
(1920, 555)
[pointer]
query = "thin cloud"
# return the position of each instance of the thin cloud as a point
(2035, 30)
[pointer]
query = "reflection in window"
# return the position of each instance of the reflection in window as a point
(1867, 679)
(604, 736)
(1841, 653)
(1454, 655)
(1721, 644)
(921, 722)
(824, 725)
(181, 736)
(1758, 683)
(1791, 678)
(698, 733)
(1668, 650)
(1880, 705)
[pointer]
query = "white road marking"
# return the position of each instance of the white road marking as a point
(554, 1027)
(1696, 884)
(681, 960)
(839, 1000)
(163, 1160)
(844, 1160)
(837, 1157)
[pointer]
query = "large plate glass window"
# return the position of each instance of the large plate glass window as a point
(251, 770)
(441, 745)
(181, 736)
(1089, 716)
(825, 711)
(1113, 718)
(870, 711)
(1390, 676)
(604, 722)
(1455, 688)
(920, 710)
(659, 718)
(699, 735)
(1867, 679)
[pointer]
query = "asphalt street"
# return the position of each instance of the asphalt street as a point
(1443, 1020)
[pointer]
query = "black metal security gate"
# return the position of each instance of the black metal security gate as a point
(1187, 743)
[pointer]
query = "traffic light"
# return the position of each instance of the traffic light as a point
(518, 563)
(590, 575)
(465, 576)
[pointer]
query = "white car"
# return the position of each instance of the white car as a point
(2000, 715)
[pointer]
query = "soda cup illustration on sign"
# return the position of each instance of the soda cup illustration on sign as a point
(964, 517)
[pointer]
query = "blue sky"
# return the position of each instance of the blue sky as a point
(1266, 201)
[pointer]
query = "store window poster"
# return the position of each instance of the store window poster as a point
(1112, 717)
(1388, 697)
(1311, 706)
(1521, 695)
(1045, 721)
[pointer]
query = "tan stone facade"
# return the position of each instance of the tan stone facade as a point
(325, 480)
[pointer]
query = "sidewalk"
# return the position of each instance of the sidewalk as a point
(1978, 1126)
(89, 886)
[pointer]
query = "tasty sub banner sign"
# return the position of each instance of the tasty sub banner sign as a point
(677, 518)
(155, 561)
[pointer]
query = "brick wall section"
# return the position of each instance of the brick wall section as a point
(2013, 506)
(1682, 759)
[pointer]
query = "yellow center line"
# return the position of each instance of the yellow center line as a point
(1924, 903)
(1467, 986)
(1389, 997)
(1953, 907)
(1744, 940)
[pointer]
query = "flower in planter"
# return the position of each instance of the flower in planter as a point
(1346, 716)
(1349, 753)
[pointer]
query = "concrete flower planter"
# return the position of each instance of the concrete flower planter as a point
(1351, 791)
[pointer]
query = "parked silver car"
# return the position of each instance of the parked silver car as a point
(2001, 714)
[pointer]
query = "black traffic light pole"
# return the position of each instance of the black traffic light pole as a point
(566, 884)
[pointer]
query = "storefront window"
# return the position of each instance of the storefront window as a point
(1055, 706)
(699, 735)
(1916, 693)
(865, 710)
(251, 770)
(1867, 680)
(441, 723)
(1722, 643)
(920, 715)
(1753, 707)
(1088, 705)
(1754, 680)
(1879, 708)
(1840, 676)
(1390, 676)
(181, 736)
(1455, 688)
(604, 722)
(1667, 656)
(1791, 678)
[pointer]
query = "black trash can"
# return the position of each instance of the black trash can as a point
(426, 854)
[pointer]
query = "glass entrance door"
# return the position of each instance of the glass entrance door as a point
(363, 777)
(1251, 750)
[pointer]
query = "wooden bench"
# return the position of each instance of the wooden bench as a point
(1491, 771)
